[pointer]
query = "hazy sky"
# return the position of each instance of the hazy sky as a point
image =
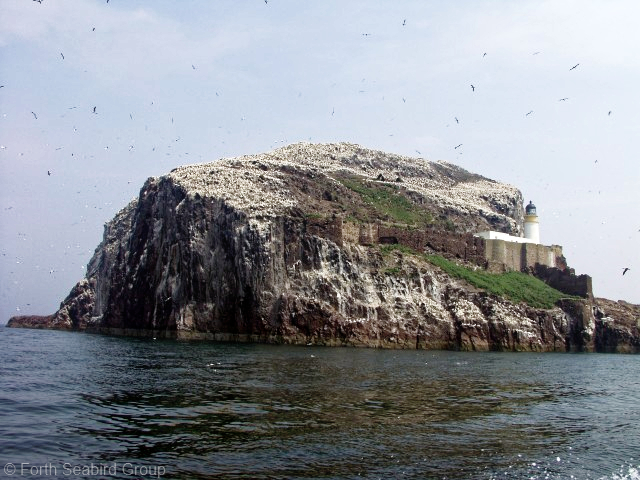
(183, 82)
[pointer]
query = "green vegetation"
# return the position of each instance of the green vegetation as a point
(448, 225)
(516, 286)
(392, 271)
(387, 201)
(396, 247)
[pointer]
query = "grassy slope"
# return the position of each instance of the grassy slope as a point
(515, 286)
(388, 202)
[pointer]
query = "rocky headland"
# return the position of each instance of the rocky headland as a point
(329, 244)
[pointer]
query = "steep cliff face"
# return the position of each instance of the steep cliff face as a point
(232, 250)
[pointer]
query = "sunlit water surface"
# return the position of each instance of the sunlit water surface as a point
(200, 410)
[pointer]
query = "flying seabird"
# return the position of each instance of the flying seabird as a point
(94, 108)
(48, 173)
(62, 55)
(574, 66)
(34, 115)
(404, 22)
(564, 99)
(484, 54)
(193, 66)
(473, 89)
(609, 113)
(456, 119)
(529, 113)
(457, 146)
(624, 270)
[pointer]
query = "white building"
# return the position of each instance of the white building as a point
(531, 229)
(531, 225)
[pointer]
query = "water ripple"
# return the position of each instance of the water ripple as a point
(253, 411)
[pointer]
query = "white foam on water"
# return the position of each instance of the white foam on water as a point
(626, 472)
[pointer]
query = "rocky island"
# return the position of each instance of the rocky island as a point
(335, 244)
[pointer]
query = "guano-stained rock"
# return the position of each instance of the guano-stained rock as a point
(278, 247)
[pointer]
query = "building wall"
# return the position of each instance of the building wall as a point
(503, 256)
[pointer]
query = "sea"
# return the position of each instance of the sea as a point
(77, 405)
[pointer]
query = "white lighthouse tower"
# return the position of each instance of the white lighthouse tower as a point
(531, 225)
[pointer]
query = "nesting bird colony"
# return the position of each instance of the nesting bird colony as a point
(258, 185)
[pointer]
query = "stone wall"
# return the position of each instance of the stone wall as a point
(564, 280)
(503, 256)
(536, 254)
(330, 228)
(544, 262)
(459, 245)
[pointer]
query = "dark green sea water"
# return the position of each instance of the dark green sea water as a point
(132, 408)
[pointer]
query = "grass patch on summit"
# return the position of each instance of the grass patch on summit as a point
(387, 201)
(515, 286)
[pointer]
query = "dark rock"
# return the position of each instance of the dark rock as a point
(270, 248)
(33, 321)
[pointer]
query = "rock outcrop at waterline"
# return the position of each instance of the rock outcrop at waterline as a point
(278, 247)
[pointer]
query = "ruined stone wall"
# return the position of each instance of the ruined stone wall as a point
(564, 280)
(368, 234)
(329, 228)
(350, 232)
(460, 245)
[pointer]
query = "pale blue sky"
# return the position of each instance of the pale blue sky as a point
(191, 81)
